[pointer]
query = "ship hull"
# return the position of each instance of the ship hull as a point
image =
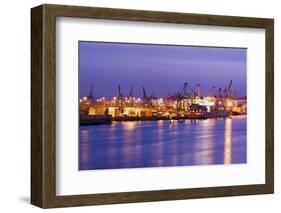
(216, 114)
(206, 115)
(191, 115)
(95, 120)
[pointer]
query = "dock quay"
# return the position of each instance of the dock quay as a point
(95, 120)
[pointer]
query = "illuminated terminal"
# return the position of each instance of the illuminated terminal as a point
(187, 103)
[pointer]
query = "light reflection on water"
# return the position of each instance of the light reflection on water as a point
(158, 143)
(227, 141)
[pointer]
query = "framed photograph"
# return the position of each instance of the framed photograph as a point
(136, 106)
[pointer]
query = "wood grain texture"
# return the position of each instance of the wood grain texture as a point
(43, 105)
(36, 106)
(269, 106)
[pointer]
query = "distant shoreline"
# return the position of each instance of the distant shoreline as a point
(88, 121)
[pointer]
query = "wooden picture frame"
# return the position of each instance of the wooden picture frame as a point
(43, 105)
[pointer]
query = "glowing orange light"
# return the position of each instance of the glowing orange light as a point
(227, 141)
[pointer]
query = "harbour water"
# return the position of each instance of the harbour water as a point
(139, 144)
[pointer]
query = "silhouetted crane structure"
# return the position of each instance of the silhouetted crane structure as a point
(177, 103)
(197, 90)
(131, 92)
(144, 97)
(186, 94)
(228, 91)
(148, 100)
(183, 92)
(120, 95)
(91, 94)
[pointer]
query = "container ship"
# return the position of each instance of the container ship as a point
(196, 111)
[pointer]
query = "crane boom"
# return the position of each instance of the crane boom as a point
(119, 91)
(131, 92)
(91, 94)
(144, 93)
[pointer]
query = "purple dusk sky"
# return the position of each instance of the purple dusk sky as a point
(161, 69)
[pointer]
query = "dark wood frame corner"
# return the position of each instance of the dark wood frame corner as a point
(43, 105)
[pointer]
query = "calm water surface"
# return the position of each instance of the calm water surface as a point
(159, 143)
